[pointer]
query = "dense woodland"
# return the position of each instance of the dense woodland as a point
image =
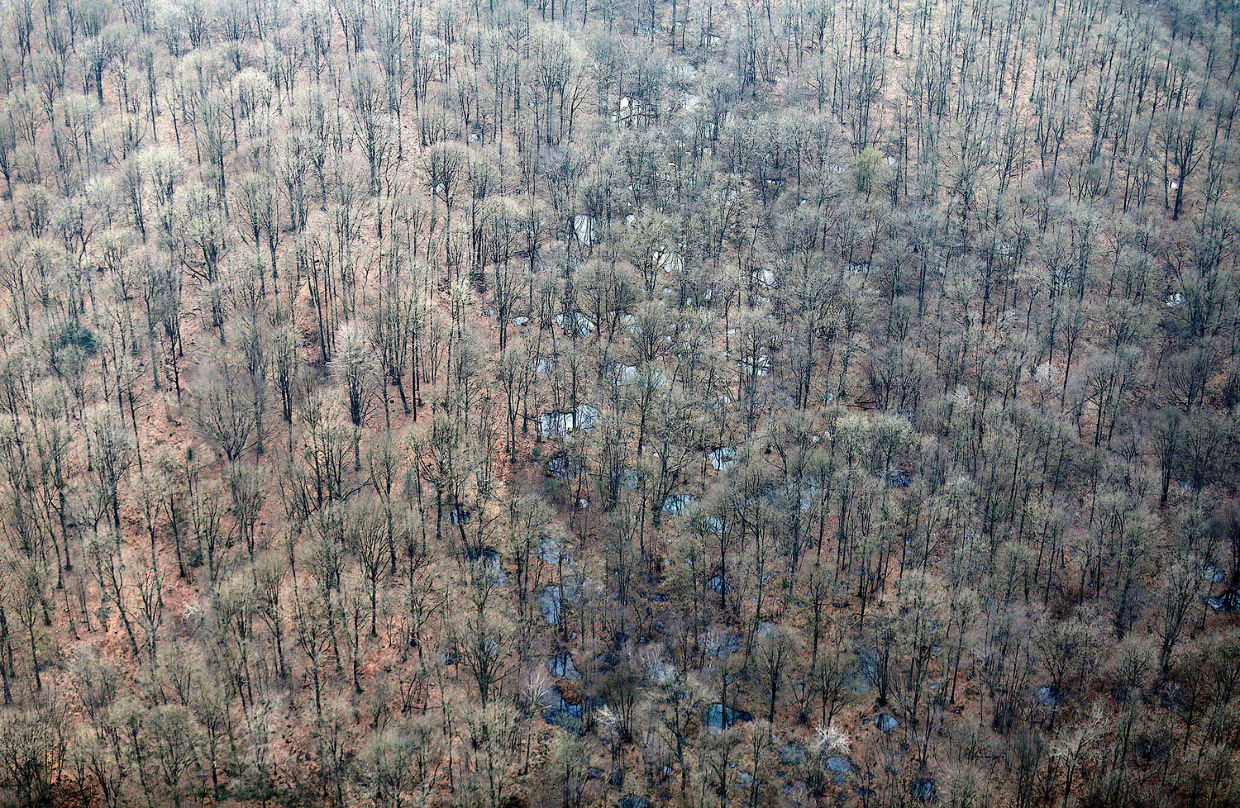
(623, 403)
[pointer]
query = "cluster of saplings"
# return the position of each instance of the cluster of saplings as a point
(561, 403)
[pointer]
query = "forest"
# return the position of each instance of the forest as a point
(627, 403)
